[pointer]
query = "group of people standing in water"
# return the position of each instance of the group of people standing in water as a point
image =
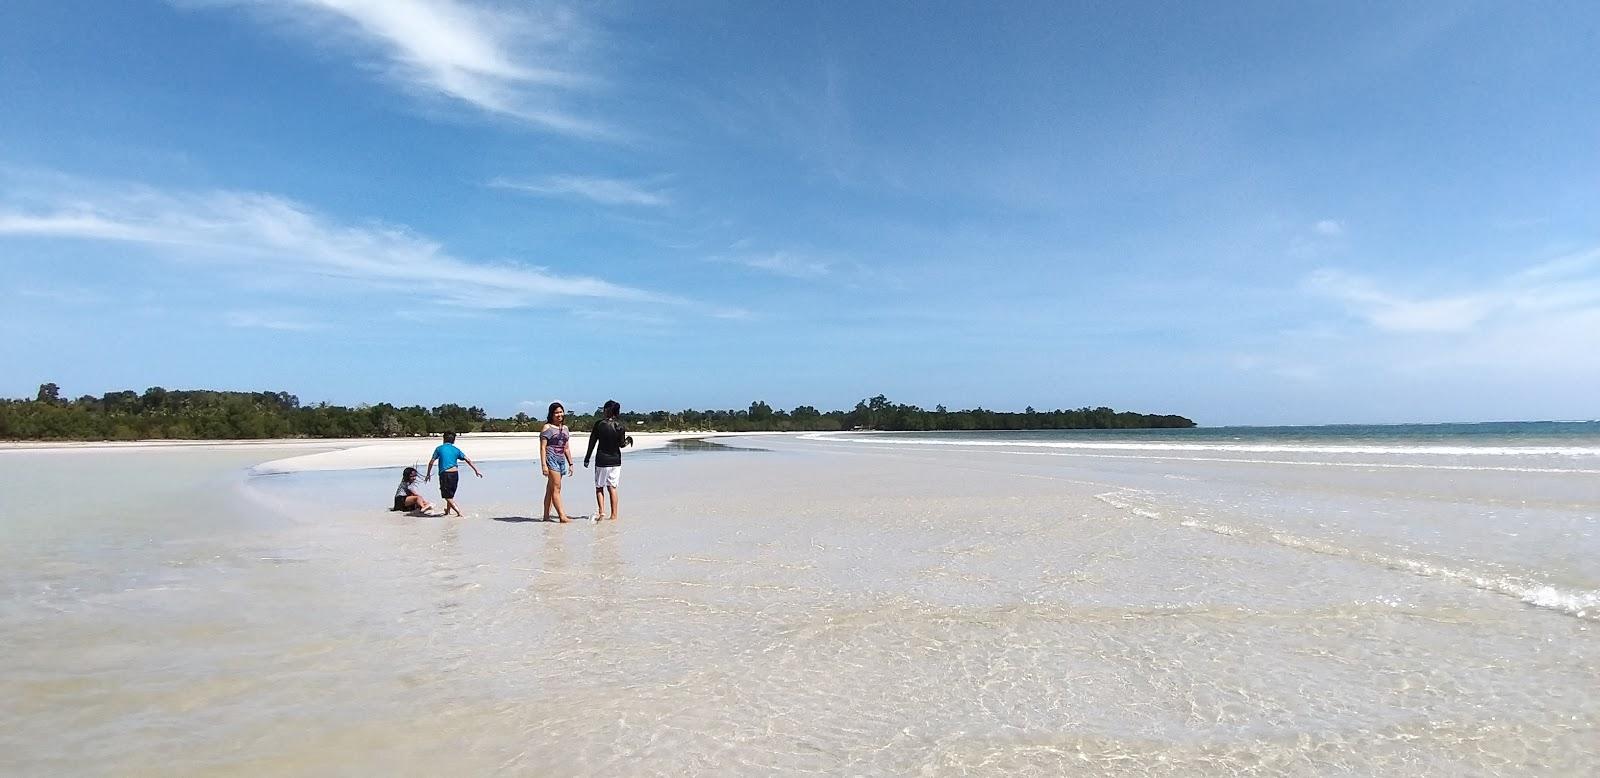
(606, 442)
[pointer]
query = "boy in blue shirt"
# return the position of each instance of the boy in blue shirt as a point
(447, 455)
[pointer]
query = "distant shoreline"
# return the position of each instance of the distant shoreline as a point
(86, 445)
(64, 444)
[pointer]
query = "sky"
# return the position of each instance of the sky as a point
(1244, 213)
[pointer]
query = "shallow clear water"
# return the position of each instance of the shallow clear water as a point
(1510, 506)
(1486, 434)
(824, 605)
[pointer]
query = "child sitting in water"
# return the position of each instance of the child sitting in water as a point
(408, 497)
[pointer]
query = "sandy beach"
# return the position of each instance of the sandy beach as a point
(776, 604)
(311, 454)
(481, 447)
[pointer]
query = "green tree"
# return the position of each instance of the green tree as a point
(211, 415)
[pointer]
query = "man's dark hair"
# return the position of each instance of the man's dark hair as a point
(612, 408)
(449, 437)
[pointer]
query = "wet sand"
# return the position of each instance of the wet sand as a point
(807, 607)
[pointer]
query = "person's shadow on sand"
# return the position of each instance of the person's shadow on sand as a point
(520, 519)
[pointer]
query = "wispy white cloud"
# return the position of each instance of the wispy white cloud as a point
(605, 191)
(1391, 311)
(270, 235)
(516, 61)
(1563, 269)
(1329, 228)
(1568, 284)
(75, 224)
(1511, 345)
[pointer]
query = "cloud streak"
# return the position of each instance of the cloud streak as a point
(1566, 285)
(605, 191)
(507, 61)
(1396, 313)
(261, 232)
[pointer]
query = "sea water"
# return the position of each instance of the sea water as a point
(1508, 505)
(864, 604)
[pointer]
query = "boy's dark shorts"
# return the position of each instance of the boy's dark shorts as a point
(448, 483)
(399, 502)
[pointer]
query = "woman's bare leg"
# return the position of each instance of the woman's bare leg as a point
(549, 495)
(555, 495)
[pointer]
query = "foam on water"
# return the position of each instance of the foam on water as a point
(1580, 603)
(1583, 604)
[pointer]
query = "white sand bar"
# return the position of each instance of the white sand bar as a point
(480, 447)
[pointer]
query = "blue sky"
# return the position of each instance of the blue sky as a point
(1246, 213)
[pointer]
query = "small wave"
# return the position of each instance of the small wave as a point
(1584, 604)
(1111, 499)
(1578, 603)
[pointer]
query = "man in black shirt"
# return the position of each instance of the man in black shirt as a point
(610, 435)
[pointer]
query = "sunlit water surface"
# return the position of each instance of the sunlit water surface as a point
(828, 605)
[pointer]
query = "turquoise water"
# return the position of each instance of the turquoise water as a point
(1486, 434)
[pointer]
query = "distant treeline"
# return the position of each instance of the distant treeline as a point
(211, 415)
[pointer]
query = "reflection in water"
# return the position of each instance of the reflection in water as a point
(607, 565)
(448, 570)
(704, 445)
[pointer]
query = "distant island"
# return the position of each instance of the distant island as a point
(202, 414)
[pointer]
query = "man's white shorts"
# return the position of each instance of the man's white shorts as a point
(607, 476)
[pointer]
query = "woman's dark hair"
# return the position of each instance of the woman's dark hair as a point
(409, 475)
(550, 415)
(612, 408)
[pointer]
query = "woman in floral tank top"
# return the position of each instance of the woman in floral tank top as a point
(555, 461)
